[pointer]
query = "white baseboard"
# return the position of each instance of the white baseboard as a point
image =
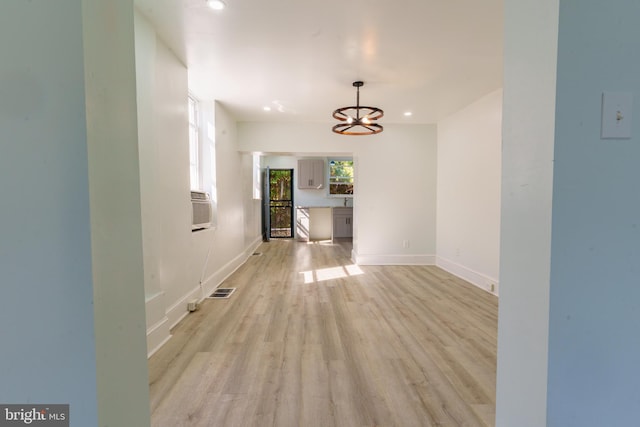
(387, 259)
(159, 333)
(157, 336)
(480, 280)
(178, 310)
(212, 282)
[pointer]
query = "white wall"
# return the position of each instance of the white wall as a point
(116, 230)
(468, 202)
(162, 118)
(145, 45)
(177, 260)
(531, 30)
(252, 209)
(238, 230)
(395, 183)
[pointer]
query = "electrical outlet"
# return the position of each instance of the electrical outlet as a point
(193, 305)
(405, 243)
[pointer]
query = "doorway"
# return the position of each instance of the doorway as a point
(280, 203)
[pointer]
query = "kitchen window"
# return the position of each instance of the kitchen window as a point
(341, 177)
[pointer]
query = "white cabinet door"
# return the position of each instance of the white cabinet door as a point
(319, 223)
(302, 224)
(310, 174)
(313, 223)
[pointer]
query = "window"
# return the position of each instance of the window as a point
(341, 177)
(194, 145)
(202, 150)
(257, 181)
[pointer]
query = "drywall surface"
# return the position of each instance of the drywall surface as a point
(46, 308)
(594, 346)
(525, 225)
(116, 231)
(468, 202)
(395, 187)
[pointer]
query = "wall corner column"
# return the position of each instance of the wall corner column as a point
(116, 230)
(530, 69)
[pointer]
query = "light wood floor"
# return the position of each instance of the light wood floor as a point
(307, 339)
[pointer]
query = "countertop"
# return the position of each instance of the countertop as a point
(323, 207)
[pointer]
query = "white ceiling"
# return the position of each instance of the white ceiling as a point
(431, 57)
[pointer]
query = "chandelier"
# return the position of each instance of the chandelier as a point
(358, 120)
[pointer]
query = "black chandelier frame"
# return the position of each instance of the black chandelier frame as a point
(358, 119)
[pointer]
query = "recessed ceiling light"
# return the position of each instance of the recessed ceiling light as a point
(216, 4)
(266, 108)
(408, 114)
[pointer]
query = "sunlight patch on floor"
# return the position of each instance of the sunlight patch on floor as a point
(327, 242)
(331, 273)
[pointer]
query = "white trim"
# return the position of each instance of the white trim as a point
(159, 333)
(179, 311)
(480, 280)
(212, 282)
(389, 259)
(156, 340)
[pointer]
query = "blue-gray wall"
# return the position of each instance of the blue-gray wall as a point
(72, 309)
(47, 350)
(594, 344)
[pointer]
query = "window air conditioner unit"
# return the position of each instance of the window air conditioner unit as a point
(201, 211)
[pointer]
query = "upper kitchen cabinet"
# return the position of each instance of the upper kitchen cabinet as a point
(310, 174)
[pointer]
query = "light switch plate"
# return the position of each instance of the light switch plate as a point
(616, 115)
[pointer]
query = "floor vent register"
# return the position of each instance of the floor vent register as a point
(222, 293)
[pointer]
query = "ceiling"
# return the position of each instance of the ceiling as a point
(300, 57)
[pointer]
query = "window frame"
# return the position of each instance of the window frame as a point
(256, 176)
(340, 159)
(195, 149)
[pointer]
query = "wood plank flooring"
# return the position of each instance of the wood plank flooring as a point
(308, 339)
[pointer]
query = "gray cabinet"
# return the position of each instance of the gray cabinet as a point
(310, 174)
(342, 222)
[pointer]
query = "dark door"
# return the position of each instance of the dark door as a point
(280, 203)
(266, 203)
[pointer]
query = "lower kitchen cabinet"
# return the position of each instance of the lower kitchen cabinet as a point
(313, 223)
(342, 222)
